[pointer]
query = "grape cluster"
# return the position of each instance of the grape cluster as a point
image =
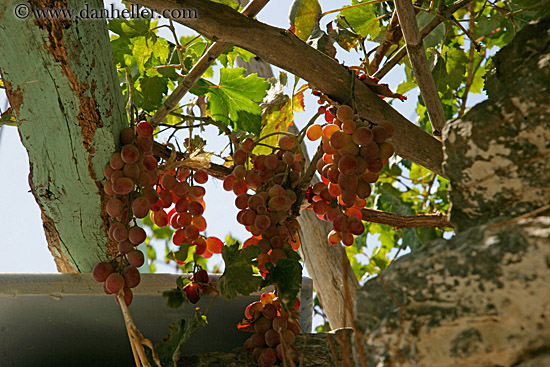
(267, 212)
(198, 286)
(274, 330)
(179, 193)
(133, 184)
(355, 152)
(129, 173)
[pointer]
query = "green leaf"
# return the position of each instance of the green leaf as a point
(170, 349)
(439, 73)
(152, 89)
(174, 298)
(410, 238)
(455, 63)
(277, 117)
(405, 87)
(286, 276)
(304, 17)
(362, 19)
(437, 35)
(234, 101)
(184, 254)
(238, 277)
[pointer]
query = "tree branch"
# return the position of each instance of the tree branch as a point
(404, 220)
(215, 170)
(417, 56)
(440, 17)
(285, 50)
(392, 37)
(198, 69)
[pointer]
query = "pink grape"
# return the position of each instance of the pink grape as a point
(114, 207)
(136, 235)
(123, 186)
(114, 283)
(102, 270)
(129, 154)
(140, 207)
(136, 258)
(131, 276)
(125, 246)
(127, 136)
(145, 129)
(116, 161)
(200, 177)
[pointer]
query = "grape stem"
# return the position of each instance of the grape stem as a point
(136, 338)
(275, 133)
(306, 178)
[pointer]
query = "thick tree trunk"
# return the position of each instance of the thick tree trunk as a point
(482, 298)
(62, 85)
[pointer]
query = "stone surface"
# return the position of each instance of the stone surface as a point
(315, 350)
(496, 156)
(479, 299)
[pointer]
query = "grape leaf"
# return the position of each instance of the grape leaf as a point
(152, 89)
(170, 349)
(362, 19)
(238, 277)
(304, 17)
(344, 37)
(174, 298)
(234, 101)
(320, 41)
(287, 276)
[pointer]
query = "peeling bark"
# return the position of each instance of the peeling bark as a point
(70, 109)
(496, 156)
(482, 298)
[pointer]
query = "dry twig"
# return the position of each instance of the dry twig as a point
(419, 63)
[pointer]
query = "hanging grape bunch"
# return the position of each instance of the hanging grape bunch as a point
(267, 212)
(133, 184)
(274, 330)
(355, 151)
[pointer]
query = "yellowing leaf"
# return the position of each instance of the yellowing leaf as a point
(276, 117)
(304, 17)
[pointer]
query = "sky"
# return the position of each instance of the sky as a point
(23, 243)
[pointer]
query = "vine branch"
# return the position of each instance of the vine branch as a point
(223, 24)
(417, 56)
(406, 220)
(199, 69)
(440, 17)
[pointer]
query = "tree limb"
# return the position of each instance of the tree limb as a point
(285, 50)
(406, 220)
(392, 37)
(198, 69)
(417, 56)
(440, 17)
